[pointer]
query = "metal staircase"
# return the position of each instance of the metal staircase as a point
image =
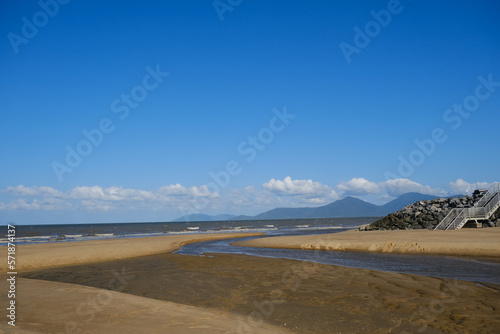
(482, 210)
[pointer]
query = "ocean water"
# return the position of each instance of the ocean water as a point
(32, 234)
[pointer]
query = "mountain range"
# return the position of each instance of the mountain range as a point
(203, 218)
(346, 207)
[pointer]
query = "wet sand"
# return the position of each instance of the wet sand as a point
(464, 242)
(302, 297)
(225, 293)
(52, 307)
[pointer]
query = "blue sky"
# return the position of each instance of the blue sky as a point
(242, 106)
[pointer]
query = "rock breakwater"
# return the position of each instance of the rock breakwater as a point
(427, 214)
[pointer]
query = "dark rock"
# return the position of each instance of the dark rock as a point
(427, 214)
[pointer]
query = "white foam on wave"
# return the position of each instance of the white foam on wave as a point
(327, 227)
(29, 238)
(140, 235)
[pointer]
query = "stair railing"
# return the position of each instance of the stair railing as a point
(482, 209)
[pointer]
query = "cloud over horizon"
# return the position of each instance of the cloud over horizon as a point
(99, 198)
(462, 187)
(177, 199)
(393, 188)
(307, 189)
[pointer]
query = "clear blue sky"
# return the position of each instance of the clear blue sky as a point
(70, 67)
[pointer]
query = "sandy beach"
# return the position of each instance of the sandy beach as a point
(464, 242)
(47, 255)
(139, 286)
(54, 307)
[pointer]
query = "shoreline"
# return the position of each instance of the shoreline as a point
(48, 255)
(465, 242)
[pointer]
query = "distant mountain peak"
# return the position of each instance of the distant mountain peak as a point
(350, 198)
(346, 207)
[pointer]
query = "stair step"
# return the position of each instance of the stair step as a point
(458, 219)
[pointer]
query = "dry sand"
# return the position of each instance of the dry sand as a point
(467, 242)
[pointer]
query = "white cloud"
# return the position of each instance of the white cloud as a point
(299, 192)
(35, 191)
(85, 192)
(110, 194)
(295, 187)
(461, 187)
(21, 204)
(93, 205)
(359, 186)
(396, 187)
(178, 190)
(99, 198)
(138, 195)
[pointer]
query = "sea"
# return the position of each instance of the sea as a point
(33, 234)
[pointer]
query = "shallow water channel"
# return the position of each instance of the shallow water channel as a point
(486, 270)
